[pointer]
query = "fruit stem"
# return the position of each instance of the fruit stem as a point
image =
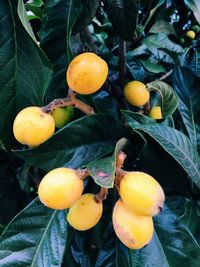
(83, 174)
(147, 107)
(101, 195)
(119, 172)
(71, 100)
(166, 75)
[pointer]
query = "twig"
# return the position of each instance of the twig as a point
(90, 39)
(166, 75)
(83, 174)
(68, 101)
(101, 195)
(119, 172)
(122, 62)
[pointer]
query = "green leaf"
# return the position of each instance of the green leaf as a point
(37, 11)
(24, 19)
(162, 47)
(187, 88)
(103, 170)
(35, 237)
(170, 100)
(123, 16)
(77, 144)
(58, 20)
(24, 70)
(152, 67)
(194, 6)
(162, 26)
(179, 245)
(175, 143)
(89, 8)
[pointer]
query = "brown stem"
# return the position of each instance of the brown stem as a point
(120, 159)
(83, 174)
(119, 176)
(147, 107)
(101, 195)
(165, 76)
(122, 62)
(68, 101)
(90, 39)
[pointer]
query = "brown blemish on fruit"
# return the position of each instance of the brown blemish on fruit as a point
(124, 235)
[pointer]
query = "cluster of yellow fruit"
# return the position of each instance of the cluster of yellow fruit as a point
(62, 188)
(85, 75)
(137, 94)
(141, 198)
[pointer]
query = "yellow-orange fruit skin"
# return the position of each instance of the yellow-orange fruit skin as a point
(134, 231)
(86, 73)
(136, 93)
(60, 188)
(190, 34)
(141, 193)
(85, 213)
(155, 113)
(32, 126)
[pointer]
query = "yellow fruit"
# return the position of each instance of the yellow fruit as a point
(86, 73)
(136, 93)
(191, 34)
(62, 116)
(134, 231)
(141, 193)
(155, 113)
(85, 213)
(33, 127)
(60, 188)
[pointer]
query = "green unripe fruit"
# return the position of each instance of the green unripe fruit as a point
(196, 28)
(62, 116)
(191, 35)
(182, 41)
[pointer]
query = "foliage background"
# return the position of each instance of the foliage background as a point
(140, 40)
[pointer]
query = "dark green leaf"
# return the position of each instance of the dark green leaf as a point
(195, 7)
(103, 170)
(58, 20)
(175, 143)
(24, 70)
(187, 88)
(179, 245)
(35, 237)
(123, 16)
(37, 11)
(77, 144)
(89, 8)
(169, 98)
(162, 47)
(152, 67)
(162, 26)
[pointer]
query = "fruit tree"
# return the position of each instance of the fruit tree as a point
(99, 133)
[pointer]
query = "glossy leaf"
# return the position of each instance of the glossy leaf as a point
(77, 144)
(169, 98)
(179, 245)
(24, 70)
(35, 237)
(175, 143)
(103, 170)
(23, 17)
(58, 20)
(123, 16)
(187, 88)
(194, 6)
(162, 26)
